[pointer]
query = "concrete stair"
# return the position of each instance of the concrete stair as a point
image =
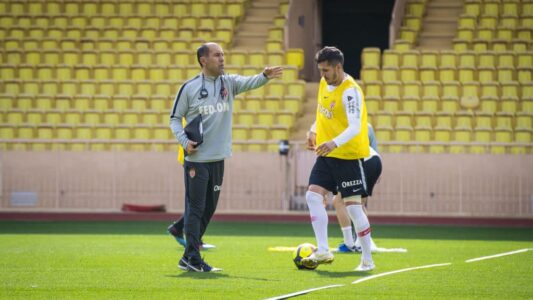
(440, 24)
(252, 32)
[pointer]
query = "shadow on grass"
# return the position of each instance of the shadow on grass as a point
(337, 274)
(267, 229)
(215, 275)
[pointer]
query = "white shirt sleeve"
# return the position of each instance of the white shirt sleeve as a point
(313, 127)
(353, 105)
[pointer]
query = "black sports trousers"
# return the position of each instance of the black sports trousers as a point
(203, 182)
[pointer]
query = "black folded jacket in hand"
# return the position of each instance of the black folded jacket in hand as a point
(195, 131)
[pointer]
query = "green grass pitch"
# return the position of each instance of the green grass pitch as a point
(137, 260)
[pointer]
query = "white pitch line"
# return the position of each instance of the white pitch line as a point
(497, 255)
(304, 292)
(399, 271)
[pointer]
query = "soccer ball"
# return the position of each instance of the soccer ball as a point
(303, 251)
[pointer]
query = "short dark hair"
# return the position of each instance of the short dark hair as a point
(330, 54)
(202, 52)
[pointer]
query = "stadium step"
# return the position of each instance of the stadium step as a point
(440, 24)
(252, 33)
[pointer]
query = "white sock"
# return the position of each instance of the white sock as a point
(372, 244)
(319, 219)
(348, 237)
(362, 227)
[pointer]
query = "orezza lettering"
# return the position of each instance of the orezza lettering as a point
(351, 183)
(211, 109)
(326, 112)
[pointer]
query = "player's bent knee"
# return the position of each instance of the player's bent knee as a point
(352, 200)
(313, 197)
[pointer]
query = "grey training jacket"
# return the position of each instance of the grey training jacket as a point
(216, 110)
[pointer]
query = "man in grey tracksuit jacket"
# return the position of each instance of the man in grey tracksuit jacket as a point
(210, 94)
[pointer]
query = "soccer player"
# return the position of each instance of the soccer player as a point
(342, 144)
(209, 94)
(372, 169)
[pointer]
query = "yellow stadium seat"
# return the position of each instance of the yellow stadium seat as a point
(522, 136)
(290, 73)
(442, 135)
(470, 95)
(391, 96)
(295, 57)
(428, 74)
(292, 104)
(257, 58)
(144, 88)
(524, 74)
(429, 58)
(253, 103)
(258, 132)
(384, 120)
(450, 96)
(483, 120)
(411, 96)
(490, 97)
(7, 101)
(447, 74)
(125, 87)
(246, 118)
(409, 74)
(371, 57)
(505, 74)
(372, 104)
(410, 58)
(383, 133)
(486, 74)
(92, 117)
(403, 119)
(15, 117)
(391, 58)
(111, 118)
(265, 118)
(390, 73)
(101, 102)
(272, 103)
(286, 119)
(416, 8)
(501, 136)
(370, 73)
(503, 121)
(279, 132)
(296, 89)
(236, 57)
(240, 132)
(448, 59)
(373, 90)
(120, 102)
(275, 88)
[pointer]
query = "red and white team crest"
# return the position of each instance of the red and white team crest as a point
(331, 105)
(192, 172)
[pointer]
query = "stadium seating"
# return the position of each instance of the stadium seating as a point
(476, 95)
(107, 72)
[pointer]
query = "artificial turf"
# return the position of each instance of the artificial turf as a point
(137, 260)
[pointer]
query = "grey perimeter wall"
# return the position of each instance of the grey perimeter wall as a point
(411, 184)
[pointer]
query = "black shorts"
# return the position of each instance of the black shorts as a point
(349, 177)
(372, 169)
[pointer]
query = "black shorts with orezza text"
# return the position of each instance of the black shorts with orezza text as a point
(339, 175)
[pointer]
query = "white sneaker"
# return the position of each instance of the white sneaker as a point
(319, 258)
(365, 265)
